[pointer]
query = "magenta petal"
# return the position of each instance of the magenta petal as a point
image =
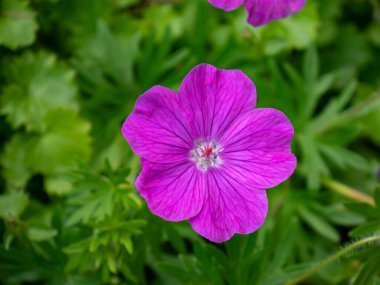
(227, 5)
(174, 192)
(263, 11)
(212, 99)
(156, 129)
(230, 207)
(257, 148)
(207, 154)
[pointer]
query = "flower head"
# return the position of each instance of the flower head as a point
(262, 12)
(207, 154)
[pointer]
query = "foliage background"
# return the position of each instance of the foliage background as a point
(71, 71)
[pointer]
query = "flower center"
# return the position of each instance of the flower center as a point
(206, 154)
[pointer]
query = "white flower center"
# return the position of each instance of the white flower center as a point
(206, 154)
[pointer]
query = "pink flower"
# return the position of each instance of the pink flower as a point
(207, 154)
(262, 12)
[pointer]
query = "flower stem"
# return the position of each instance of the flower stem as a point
(331, 259)
(348, 191)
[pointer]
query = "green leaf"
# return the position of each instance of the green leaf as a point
(13, 204)
(323, 84)
(339, 215)
(64, 141)
(8, 241)
(331, 113)
(343, 157)
(285, 244)
(37, 84)
(319, 224)
(377, 197)
(344, 97)
(128, 273)
(289, 273)
(18, 23)
(125, 3)
(369, 271)
(174, 268)
(58, 184)
(311, 65)
(41, 234)
(105, 61)
(127, 243)
(365, 229)
(294, 32)
(369, 112)
(314, 165)
(111, 262)
(78, 247)
(341, 136)
(14, 160)
(364, 209)
(96, 208)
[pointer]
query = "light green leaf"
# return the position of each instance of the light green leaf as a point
(78, 247)
(14, 160)
(296, 32)
(58, 185)
(64, 141)
(41, 234)
(13, 204)
(127, 243)
(37, 84)
(18, 23)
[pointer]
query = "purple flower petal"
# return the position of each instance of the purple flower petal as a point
(230, 207)
(156, 129)
(257, 148)
(213, 99)
(174, 192)
(227, 5)
(261, 12)
(207, 155)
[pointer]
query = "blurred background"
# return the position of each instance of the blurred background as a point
(71, 71)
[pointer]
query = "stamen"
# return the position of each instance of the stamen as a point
(206, 154)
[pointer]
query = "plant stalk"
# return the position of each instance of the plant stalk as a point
(331, 259)
(347, 191)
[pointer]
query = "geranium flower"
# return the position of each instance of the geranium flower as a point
(207, 155)
(262, 12)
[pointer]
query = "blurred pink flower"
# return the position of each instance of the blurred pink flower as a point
(207, 154)
(262, 12)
